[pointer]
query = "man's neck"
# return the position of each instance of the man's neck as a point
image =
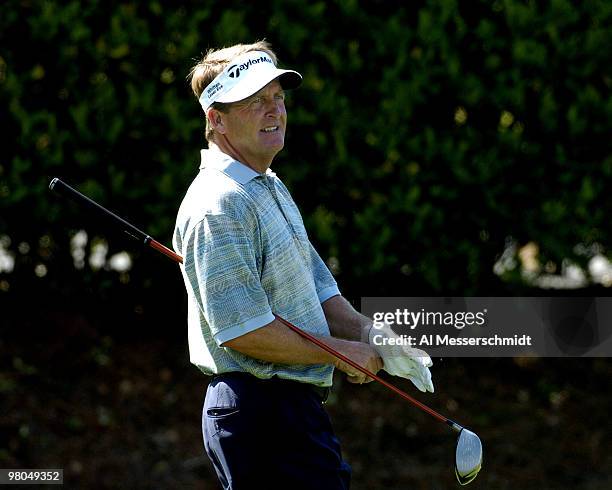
(224, 146)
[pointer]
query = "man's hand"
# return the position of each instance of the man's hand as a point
(402, 360)
(362, 354)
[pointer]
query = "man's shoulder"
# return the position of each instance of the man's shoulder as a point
(217, 192)
(214, 193)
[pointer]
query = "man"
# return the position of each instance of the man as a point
(247, 258)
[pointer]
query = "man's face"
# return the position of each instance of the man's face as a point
(256, 125)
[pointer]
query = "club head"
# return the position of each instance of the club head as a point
(468, 457)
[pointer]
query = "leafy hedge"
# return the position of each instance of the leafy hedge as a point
(425, 135)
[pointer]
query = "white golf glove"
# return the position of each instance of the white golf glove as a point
(402, 360)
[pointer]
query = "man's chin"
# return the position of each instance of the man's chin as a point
(275, 146)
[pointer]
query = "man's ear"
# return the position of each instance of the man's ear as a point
(216, 120)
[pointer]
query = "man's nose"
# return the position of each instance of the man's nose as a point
(275, 107)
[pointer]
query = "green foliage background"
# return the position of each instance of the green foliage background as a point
(424, 136)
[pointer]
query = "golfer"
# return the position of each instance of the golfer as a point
(247, 257)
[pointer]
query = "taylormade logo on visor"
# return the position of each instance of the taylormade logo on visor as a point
(245, 75)
(234, 70)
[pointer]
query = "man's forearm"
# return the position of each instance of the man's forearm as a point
(344, 321)
(277, 344)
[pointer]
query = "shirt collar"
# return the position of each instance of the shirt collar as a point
(234, 169)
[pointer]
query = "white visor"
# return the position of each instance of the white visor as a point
(245, 75)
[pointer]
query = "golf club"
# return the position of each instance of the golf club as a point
(468, 455)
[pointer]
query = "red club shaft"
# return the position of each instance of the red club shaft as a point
(63, 188)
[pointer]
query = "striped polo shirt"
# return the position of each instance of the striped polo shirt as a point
(246, 256)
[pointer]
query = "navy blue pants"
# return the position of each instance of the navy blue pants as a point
(271, 434)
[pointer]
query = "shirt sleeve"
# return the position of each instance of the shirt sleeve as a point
(221, 265)
(324, 281)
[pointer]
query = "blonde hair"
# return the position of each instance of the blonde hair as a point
(213, 63)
